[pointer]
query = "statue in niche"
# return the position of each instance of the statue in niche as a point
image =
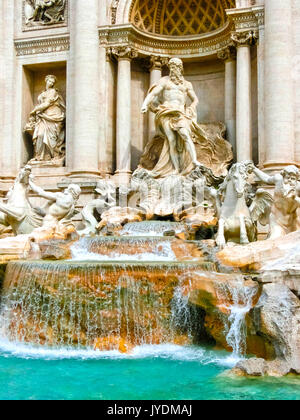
(44, 12)
(181, 144)
(47, 126)
(284, 218)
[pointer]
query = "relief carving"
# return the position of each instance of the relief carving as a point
(44, 12)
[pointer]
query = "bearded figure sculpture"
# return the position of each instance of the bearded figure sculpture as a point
(182, 144)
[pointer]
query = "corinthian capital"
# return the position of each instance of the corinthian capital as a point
(227, 54)
(123, 53)
(156, 62)
(244, 38)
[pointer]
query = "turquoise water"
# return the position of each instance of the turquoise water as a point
(162, 372)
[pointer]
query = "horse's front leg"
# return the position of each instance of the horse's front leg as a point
(243, 232)
(221, 241)
(18, 215)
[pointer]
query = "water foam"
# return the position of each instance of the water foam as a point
(163, 351)
(162, 252)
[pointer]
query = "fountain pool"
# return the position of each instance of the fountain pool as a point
(151, 372)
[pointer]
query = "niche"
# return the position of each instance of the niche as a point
(33, 85)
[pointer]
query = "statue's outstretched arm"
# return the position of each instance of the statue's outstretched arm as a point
(268, 179)
(154, 93)
(42, 193)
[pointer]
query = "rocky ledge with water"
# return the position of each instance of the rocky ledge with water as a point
(114, 293)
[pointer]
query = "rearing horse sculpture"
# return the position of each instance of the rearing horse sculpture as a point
(18, 212)
(238, 217)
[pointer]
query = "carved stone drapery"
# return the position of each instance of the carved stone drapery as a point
(39, 13)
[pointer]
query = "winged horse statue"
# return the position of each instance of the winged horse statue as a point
(239, 208)
(17, 211)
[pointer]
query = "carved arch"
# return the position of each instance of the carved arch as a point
(179, 17)
(122, 9)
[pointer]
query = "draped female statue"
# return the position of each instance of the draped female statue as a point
(47, 125)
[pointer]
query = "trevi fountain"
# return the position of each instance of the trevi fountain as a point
(150, 195)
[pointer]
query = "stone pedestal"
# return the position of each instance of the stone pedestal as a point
(279, 94)
(84, 61)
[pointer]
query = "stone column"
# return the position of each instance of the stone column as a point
(243, 96)
(229, 56)
(156, 64)
(103, 13)
(279, 94)
(9, 159)
(103, 158)
(84, 61)
(296, 75)
(124, 56)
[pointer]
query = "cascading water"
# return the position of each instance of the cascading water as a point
(123, 249)
(241, 299)
(105, 306)
(151, 228)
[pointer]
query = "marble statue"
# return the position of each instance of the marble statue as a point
(239, 211)
(17, 210)
(47, 126)
(181, 144)
(60, 209)
(283, 219)
(106, 200)
(44, 12)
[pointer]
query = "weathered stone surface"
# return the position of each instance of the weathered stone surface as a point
(276, 317)
(251, 367)
(258, 255)
(260, 367)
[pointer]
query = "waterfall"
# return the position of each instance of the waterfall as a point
(239, 298)
(151, 228)
(123, 249)
(105, 306)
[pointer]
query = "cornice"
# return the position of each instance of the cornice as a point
(165, 46)
(54, 44)
(248, 19)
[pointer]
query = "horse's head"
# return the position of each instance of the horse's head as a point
(239, 177)
(24, 175)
